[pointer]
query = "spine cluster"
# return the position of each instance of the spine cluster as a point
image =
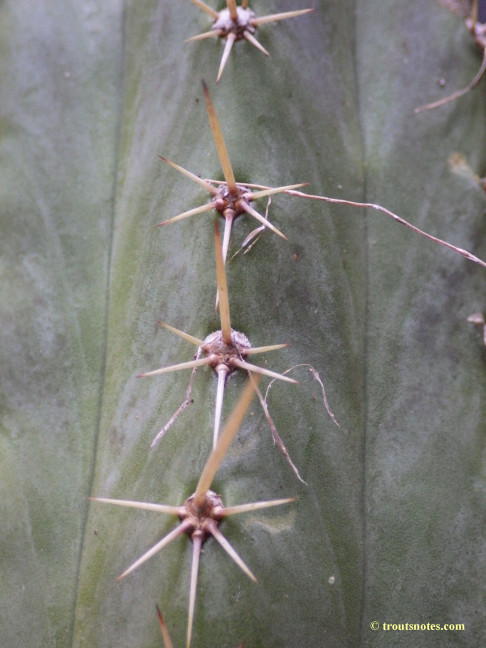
(226, 350)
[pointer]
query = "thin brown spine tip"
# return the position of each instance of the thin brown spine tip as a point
(163, 628)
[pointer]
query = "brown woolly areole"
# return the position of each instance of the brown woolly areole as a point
(225, 199)
(202, 516)
(243, 23)
(222, 354)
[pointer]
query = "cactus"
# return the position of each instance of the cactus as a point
(389, 527)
